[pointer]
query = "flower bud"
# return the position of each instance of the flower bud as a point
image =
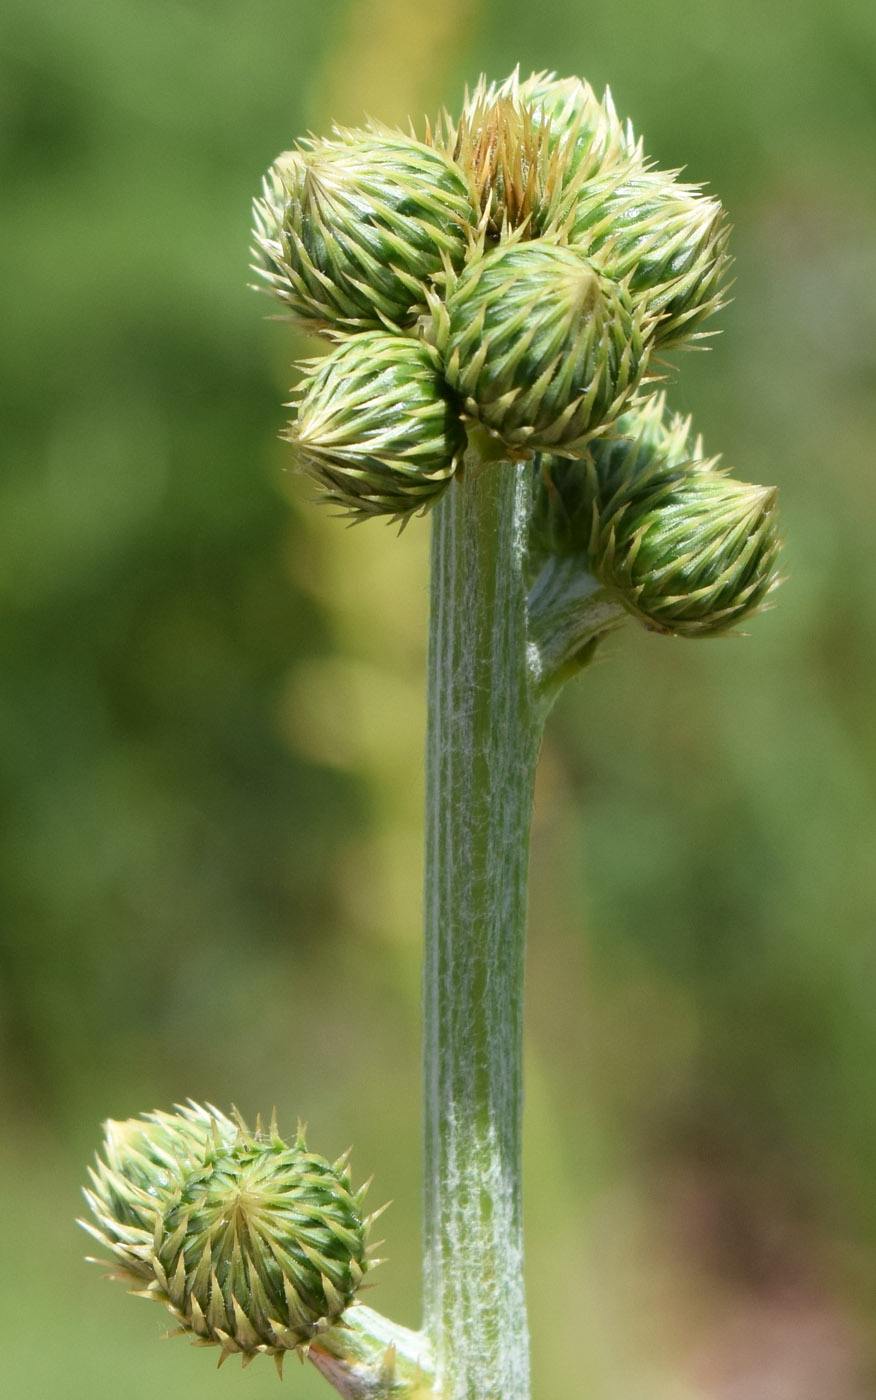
(351, 231)
(506, 160)
(541, 346)
(375, 426)
(254, 1244)
(520, 144)
(667, 238)
(573, 113)
(645, 444)
(695, 556)
(685, 547)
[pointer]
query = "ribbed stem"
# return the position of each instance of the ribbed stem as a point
(483, 735)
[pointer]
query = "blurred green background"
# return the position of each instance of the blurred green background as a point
(211, 711)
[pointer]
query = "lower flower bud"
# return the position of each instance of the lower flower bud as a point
(683, 546)
(254, 1244)
(695, 556)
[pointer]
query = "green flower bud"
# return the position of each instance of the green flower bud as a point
(375, 425)
(572, 112)
(541, 346)
(351, 231)
(696, 557)
(667, 238)
(686, 548)
(253, 1244)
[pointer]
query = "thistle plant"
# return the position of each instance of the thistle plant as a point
(495, 300)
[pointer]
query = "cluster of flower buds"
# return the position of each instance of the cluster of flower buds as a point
(254, 1244)
(506, 285)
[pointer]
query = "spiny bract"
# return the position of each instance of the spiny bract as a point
(253, 1243)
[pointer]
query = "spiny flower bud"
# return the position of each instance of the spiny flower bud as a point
(645, 445)
(375, 427)
(685, 548)
(253, 1244)
(351, 231)
(667, 238)
(695, 557)
(572, 112)
(520, 143)
(507, 161)
(542, 347)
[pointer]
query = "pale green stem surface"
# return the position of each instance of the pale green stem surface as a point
(367, 1357)
(485, 722)
(569, 611)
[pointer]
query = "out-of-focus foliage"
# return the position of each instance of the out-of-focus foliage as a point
(211, 709)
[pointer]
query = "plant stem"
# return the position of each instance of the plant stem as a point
(484, 728)
(368, 1357)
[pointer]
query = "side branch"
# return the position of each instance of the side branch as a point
(569, 612)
